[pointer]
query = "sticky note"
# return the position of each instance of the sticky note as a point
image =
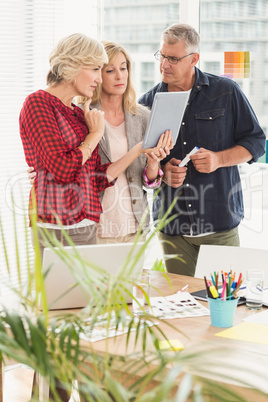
(247, 331)
(172, 344)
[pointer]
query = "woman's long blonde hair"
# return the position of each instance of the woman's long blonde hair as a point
(129, 98)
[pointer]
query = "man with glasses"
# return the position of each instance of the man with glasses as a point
(220, 121)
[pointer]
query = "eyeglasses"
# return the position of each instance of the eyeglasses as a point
(172, 60)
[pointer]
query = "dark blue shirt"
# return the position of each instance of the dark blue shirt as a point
(217, 117)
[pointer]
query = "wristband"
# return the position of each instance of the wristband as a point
(152, 184)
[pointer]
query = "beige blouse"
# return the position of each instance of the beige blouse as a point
(117, 218)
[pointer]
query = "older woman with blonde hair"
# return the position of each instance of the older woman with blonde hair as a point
(60, 142)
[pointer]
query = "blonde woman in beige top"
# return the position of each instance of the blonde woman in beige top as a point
(125, 204)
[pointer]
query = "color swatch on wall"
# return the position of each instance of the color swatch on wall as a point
(237, 64)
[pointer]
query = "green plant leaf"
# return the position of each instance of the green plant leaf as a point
(17, 328)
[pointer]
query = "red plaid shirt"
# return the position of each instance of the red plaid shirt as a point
(50, 134)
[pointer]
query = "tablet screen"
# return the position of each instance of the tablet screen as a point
(166, 114)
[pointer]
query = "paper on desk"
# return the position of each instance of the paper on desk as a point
(247, 331)
(178, 305)
(101, 331)
(258, 318)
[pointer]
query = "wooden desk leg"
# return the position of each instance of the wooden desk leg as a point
(43, 390)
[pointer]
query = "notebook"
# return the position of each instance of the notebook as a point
(166, 114)
(59, 280)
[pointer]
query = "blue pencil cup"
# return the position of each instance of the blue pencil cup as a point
(222, 312)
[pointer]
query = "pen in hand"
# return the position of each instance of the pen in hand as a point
(187, 157)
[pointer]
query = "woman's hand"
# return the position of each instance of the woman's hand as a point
(162, 149)
(31, 174)
(155, 155)
(94, 120)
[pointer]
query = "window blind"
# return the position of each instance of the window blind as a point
(29, 29)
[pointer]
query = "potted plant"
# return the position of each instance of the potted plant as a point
(53, 346)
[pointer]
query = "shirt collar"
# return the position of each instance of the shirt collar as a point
(162, 87)
(201, 79)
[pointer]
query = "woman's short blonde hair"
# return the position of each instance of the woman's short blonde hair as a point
(73, 53)
(129, 99)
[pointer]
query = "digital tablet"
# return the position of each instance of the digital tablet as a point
(166, 114)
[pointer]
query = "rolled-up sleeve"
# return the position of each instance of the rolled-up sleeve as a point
(101, 176)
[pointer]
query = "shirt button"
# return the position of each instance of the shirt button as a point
(187, 184)
(131, 179)
(184, 143)
(134, 202)
(183, 123)
(189, 205)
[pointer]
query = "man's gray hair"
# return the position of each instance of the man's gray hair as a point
(178, 32)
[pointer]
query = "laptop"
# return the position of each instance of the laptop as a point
(61, 286)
